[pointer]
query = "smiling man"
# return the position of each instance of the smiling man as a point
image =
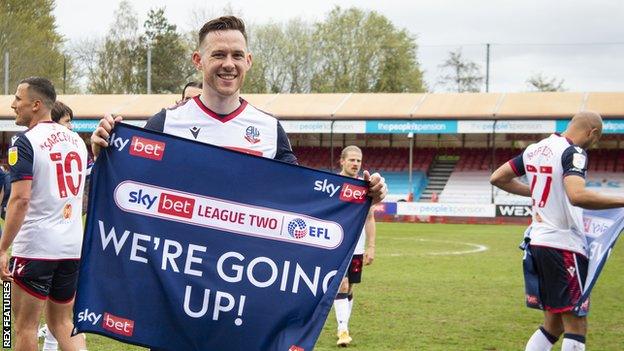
(219, 116)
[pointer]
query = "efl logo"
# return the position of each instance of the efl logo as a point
(147, 148)
(176, 205)
(118, 325)
(297, 228)
(353, 193)
(296, 348)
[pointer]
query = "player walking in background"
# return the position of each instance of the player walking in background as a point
(44, 218)
(351, 163)
(557, 247)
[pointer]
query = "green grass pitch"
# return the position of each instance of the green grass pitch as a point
(421, 295)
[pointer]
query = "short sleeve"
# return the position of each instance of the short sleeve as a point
(517, 164)
(156, 123)
(284, 151)
(20, 158)
(574, 161)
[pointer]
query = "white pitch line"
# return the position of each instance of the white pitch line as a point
(477, 247)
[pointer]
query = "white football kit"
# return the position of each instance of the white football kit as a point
(246, 129)
(556, 222)
(55, 158)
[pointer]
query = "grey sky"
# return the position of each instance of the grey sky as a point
(440, 26)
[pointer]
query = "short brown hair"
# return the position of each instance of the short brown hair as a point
(59, 110)
(42, 88)
(222, 23)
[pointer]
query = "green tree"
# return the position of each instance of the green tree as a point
(281, 57)
(362, 51)
(171, 58)
(117, 64)
(29, 34)
(461, 75)
(539, 82)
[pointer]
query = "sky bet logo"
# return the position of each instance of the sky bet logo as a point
(170, 204)
(118, 325)
(141, 147)
(349, 193)
(89, 317)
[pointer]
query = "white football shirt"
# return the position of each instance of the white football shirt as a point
(55, 159)
(556, 223)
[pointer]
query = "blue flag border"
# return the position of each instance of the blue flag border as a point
(104, 156)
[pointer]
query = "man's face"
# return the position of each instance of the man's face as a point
(351, 164)
(23, 106)
(66, 122)
(224, 61)
(191, 92)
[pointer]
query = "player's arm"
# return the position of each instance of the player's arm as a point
(574, 164)
(370, 228)
(505, 177)
(580, 196)
(17, 207)
(21, 157)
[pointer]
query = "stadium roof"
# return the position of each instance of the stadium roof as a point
(536, 105)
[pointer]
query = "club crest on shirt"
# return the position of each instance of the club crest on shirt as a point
(252, 134)
(12, 155)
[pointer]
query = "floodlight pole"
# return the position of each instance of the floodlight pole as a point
(149, 69)
(331, 146)
(64, 73)
(6, 73)
(493, 160)
(411, 165)
(487, 67)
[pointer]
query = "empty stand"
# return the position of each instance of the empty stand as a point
(376, 159)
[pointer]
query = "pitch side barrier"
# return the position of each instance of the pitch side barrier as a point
(435, 212)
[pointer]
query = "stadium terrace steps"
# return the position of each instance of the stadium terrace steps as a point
(439, 174)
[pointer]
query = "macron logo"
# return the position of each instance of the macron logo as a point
(118, 325)
(147, 148)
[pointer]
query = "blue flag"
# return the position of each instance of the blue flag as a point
(190, 246)
(602, 229)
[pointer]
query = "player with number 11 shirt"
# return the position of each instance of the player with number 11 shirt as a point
(556, 253)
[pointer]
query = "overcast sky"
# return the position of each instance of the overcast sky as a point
(581, 42)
